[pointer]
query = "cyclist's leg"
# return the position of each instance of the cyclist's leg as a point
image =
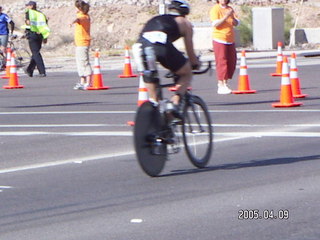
(145, 58)
(185, 74)
(174, 60)
(152, 91)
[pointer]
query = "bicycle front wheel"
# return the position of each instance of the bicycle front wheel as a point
(148, 126)
(197, 132)
(23, 57)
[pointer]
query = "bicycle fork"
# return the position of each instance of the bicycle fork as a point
(196, 116)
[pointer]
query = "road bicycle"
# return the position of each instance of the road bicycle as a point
(157, 134)
(23, 56)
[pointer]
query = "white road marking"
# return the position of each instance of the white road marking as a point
(57, 125)
(4, 187)
(94, 134)
(130, 134)
(87, 159)
(270, 134)
(133, 112)
(126, 125)
(71, 112)
(136, 220)
(223, 136)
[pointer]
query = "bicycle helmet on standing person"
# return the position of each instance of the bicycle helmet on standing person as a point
(181, 6)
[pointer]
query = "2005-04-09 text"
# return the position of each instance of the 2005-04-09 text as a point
(252, 214)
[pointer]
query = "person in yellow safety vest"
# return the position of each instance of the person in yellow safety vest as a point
(37, 32)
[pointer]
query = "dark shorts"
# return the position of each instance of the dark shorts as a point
(167, 55)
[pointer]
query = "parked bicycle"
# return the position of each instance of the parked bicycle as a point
(157, 134)
(23, 56)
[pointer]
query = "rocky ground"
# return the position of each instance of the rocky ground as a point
(116, 25)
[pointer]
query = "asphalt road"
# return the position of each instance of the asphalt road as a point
(68, 170)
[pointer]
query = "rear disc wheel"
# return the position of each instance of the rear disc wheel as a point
(147, 125)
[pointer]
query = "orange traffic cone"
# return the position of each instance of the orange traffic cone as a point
(97, 82)
(13, 80)
(127, 70)
(243, 84)
(286, 97)
(278, 72)
(142, 95)
(8, 63)
(143, 91)
(295, 81)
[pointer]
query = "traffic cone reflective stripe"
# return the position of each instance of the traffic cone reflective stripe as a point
(243, 81)
(143, 91)
(13, 80)
(279, 62)
(127, 70)
(295, 81)
(97, 81)
(8, 63)
(286, 97)
(143, 95)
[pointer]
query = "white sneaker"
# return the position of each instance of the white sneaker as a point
(227, 86)
(224, 90)
(85, 86)
(77, 86)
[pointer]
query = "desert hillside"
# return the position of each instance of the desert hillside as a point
(116, 23)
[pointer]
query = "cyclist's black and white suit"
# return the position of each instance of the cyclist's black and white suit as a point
(160, 32)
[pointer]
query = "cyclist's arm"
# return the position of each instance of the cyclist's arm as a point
(186, 30)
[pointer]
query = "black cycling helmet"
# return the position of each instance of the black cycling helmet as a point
(181, 6)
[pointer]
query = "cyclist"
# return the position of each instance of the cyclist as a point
(4, 34)
(155, 44)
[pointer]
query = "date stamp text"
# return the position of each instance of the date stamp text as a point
(256, 214)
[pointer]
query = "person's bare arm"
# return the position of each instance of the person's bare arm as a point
(74, 21)
(186, 30)
(12, 26)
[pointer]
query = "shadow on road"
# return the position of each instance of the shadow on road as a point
(250, 164)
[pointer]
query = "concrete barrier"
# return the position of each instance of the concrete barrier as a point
(202, 37)
(305, 35)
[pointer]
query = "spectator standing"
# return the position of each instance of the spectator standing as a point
(82, 40)
(224, 20)
(37, 32)
(4, 35)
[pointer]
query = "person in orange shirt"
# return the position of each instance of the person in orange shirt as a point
(82, 41)
(223, 20)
